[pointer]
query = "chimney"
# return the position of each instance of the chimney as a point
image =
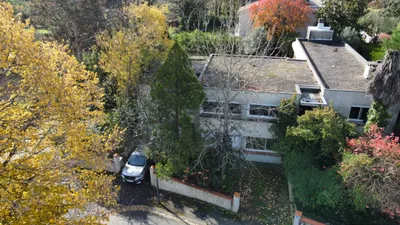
(320, 24)
(319, 32)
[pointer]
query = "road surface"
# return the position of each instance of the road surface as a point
(144, 218)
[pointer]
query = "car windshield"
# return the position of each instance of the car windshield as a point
(137, 160)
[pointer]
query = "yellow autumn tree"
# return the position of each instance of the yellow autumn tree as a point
(51, 151)
(129, 49)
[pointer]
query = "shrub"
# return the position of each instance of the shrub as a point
(378, 115)
(394, 42)
(312, 187)
(372, 170)
(320, 193)
(351, 36)
(205, 43)
(322, 133)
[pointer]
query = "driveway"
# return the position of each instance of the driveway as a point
(137, 207)
(135, 194)
(142, 218)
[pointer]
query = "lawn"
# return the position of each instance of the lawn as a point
(265, 196)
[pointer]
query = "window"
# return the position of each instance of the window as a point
(211, 107)
(218, 107)
(259, 143)
(235, 108)
(358, 113)
(262, 110)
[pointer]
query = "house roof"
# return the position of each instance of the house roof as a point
(337, 67)
(256, 73)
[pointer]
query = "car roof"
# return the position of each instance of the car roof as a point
(137, 153)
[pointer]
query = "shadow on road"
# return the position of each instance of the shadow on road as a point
(135, 194)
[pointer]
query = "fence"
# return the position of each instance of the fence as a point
(193, 191)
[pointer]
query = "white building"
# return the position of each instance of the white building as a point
(320, 73)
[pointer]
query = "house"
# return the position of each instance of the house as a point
(245, 23)
(322, 72)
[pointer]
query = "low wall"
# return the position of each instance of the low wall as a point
(263, 157)
(299, 219)
(193, 191)
(115, 165)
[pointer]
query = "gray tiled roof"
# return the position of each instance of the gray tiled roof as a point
(337, 67)
(264, 74)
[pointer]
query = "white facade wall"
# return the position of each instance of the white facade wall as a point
(247, 126)
(343, 100)
(247, 97)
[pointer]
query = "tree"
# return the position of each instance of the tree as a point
(51, 152)
(377, 115)
(75, 22)
(393, 8)
(377, 21)
(342, 13)
(190, 12)
(130, 53)
(176, 93)
(371, 170)
(286, 117)
(282, 16)
(322, 132)
(126, 52)
(394, 42)
(385, 83)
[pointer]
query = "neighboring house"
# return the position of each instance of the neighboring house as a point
(245, 24)
(321, 73)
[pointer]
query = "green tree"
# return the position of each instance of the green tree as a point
(176, 93)
(393, 8)
(394, 42)
(322, 132)
(377, 21)
(342, 13)
(286, 117)
(378, 115)
(76, 22)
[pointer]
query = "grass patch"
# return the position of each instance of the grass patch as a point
(265, 196)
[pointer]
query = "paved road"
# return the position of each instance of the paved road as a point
(142, 218)
(136, 202)
(135, 194)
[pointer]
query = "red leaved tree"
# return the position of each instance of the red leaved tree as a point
(371, 168)
(280, 16)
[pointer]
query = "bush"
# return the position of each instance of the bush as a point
(320, 193)
(313, 188)
(205, 43)
(378, 115)
(321, 133)
(351, 36)
(394, 42)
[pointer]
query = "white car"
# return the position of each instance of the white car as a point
(135, 169)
